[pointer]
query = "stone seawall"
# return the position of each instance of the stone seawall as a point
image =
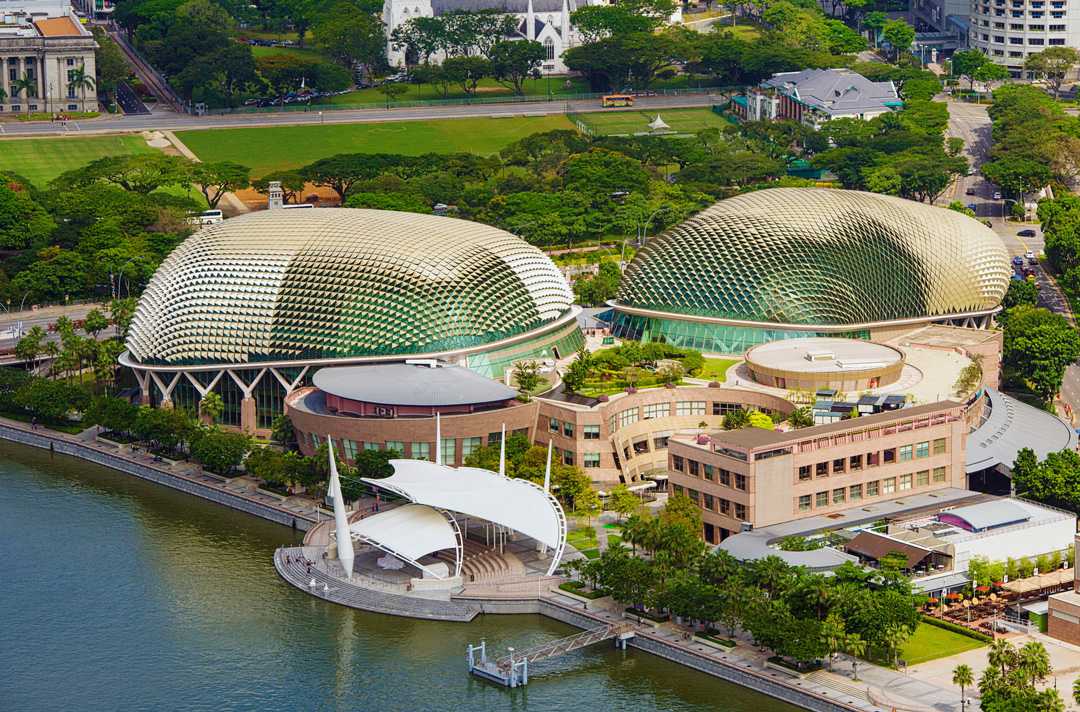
(47, 440)
(745, 677)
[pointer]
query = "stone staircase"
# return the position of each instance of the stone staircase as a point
(287, 561)
(846, 688)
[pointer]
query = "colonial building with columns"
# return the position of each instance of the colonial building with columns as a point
(543, 21)
(44, 41)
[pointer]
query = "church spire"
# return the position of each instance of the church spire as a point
(565, 23)
(530, 23)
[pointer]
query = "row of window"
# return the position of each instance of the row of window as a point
(999, 39)
(663, 410)
(1036, 4)
(856, 463)
(1017, 15)
(708, 472)
(566, 428)
(1020, 28)
(713, 504)
(884, 488)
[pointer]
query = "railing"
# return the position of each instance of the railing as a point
(565, 645)
(462, 101)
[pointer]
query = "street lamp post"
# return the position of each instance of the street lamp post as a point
(1004, 201)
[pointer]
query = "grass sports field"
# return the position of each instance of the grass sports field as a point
(603, 123)
(41, 160)
(930, 643)
(282, 147)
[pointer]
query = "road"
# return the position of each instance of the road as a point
(11, 322)
(972, 123)
(162, 119)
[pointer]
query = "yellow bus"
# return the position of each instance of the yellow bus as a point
(618, 100)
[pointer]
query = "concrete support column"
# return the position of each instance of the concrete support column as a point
(248, 419)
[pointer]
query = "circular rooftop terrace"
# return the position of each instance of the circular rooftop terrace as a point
(813, 363)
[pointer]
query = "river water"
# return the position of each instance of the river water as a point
(117, 594)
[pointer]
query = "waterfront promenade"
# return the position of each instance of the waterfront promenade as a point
(186, 477)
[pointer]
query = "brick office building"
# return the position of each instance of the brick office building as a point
(755, 477)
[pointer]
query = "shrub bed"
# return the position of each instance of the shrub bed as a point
(795, 667)
(654, 617)
(946, 625)
(713, 638)
(578, 589)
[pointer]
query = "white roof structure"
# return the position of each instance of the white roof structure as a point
(658, 124)
(516, 504)
(408, 532)
(987, 515)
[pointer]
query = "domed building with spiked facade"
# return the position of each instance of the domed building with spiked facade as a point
(250, 307)
(797, 262)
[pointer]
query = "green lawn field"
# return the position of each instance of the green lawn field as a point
(556, 86)
(715, 369)
(283, 147)
(631, 122)
(260, 51)
(930, 643)
(40, 160)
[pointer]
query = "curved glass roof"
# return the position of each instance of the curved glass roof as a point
(818, 256)
(339, 282)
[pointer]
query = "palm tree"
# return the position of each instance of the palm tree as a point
(1034, 661)
(854, 646)
(1001, 655)
(895, 637)
(833, 635)
(81, 81)
(26, 84)
(30, 347)
(801, 417)
(1076, 690)
(963, 678)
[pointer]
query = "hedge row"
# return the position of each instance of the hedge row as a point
(946, 625)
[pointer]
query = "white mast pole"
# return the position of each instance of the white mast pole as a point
(547, 470)
(438, 440)
(341, 520)
(502, 451)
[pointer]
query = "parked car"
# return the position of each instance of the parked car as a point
(997, 195)
(1029, 256)
(1026, 233)
(971, 191)
(972, 207)
(1018, 261)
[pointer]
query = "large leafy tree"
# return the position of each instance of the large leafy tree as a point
(512, 62)
(217, 179)
(139, 173)
(350, 36)
(23, 222)
(1040, 345)
(900, 35)
(1053, 65)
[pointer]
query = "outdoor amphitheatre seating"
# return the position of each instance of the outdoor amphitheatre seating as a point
(483, 564)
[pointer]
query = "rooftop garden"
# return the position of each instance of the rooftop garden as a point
(631, 366)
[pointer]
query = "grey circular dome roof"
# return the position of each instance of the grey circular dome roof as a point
(339, 282)
(819, 256)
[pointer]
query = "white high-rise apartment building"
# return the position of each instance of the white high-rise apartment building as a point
(1009, 30)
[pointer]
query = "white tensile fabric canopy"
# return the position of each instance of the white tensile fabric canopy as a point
(515, 504)
(409, 532)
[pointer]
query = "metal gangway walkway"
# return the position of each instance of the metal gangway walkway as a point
(512, 670)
